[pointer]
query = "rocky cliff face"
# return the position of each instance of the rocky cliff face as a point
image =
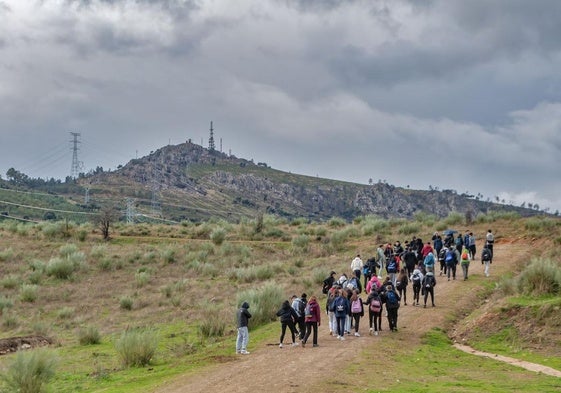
(184, 171)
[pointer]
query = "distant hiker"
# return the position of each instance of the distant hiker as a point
(287, 317)
(243, 316)
(401, 285)
(428, 284)
(410, 260)
(328, 283)
(356, 266)
(416, 278)
(393, 268)
(374, 304)
(392, 305)
(313, 320)
(459, 243)
(437, 243)
(330, 308)
(464, 262)
(486, 259)
(354, 283)
(471, 246)
(299, 305)
(451, 261)
(427, 248)
(357, 311)
(369, 269)
(342, 281)
(381, 258)
(489, 241)
(341, 305)
(398, 248)
(442, 260)
(429, 262)
(373, 283)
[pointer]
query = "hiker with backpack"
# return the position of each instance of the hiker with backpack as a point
(416, 278)
(287, 317)
(429, 262)
(464, 262)
(374, 303)
(330, 308)
(486, 259)
(373, 283)
(328, 283)
(381, 257)
(442, 260)
(369, 270)
(471, 246)
(451, 261)
(312, 315)
(410, 260)
(401, 285)
(299, 305)
(342, 309)
(428, 284)
(356, 266)
(489, 241)
(354, 283)
(393, 268)
(357, 311)
(392, 300)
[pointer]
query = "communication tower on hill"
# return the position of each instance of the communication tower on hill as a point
(211, 146)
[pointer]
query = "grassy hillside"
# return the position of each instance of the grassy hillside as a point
(182, 282)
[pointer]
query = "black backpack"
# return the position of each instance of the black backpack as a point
(325, 288)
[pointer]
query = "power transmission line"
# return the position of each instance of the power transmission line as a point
(76, 165)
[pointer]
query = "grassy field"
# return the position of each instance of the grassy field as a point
(183, 282)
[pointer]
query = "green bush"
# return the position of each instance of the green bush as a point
(89, 335)
(137, 347)
(213, 323)
(300, 244)
(264, 302)
(10, 281)
(6, 254)
(29, 372)
(65, 313)
(141, 278)
(454, 218)
(5, 303)
(218, 235)
(67, 249)
(336, 222)
(409, 229)
(98, 251)
(60, 268)
(126, 303)
(540, 277)
(28, 293)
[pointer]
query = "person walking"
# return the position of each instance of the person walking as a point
(357, 311)
(287, 317)
(299, 304)
(464, 262)
(242, 340)
(401, 285)
(392, 300)
(489, 241)
(341, 311)
(356, 266)
(486, 259)
(429, 282)
(451, 261)
(313, 320)
(417, 279)
(374, 303)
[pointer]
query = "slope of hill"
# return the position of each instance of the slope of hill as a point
(190, 182)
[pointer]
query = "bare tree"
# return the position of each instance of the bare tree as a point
(107, 215)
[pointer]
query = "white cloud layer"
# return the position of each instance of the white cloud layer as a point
(454, 94)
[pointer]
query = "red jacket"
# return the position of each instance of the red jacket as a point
(316, 312)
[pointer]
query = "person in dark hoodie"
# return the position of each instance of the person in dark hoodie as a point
(243, 316)
(287, 317)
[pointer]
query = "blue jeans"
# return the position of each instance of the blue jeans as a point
(243, 338)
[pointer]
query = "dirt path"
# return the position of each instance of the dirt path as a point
(275, 368)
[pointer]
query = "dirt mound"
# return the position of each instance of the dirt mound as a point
(14, 344)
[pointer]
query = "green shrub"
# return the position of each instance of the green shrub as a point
(9, 321)
(212, 324)
(98, 251)
(409, 229)
(60, 268)
(264, 302)
(5, 303)
(454, 218)
(540, 277)
(67, 249)
(336, 222)
(538, 224)
(89, 335)
(126, 303)
(169, 255)
(141, 278)
(29, 371)
(6, 254)
(137, 347)
(218, 235)
(300, 244)
(28, 293)
(10, 281)
(65, 313)
(35, 277)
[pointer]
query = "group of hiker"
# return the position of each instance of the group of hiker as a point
(413, 263)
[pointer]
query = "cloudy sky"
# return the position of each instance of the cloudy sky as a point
(462, 95)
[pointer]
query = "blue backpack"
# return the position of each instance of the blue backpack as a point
(391, 300)
(392, 266)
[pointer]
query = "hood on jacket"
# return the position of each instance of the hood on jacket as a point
(245, 305)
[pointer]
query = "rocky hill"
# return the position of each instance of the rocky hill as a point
(187, 181)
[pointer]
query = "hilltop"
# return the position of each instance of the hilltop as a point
(187, 182)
